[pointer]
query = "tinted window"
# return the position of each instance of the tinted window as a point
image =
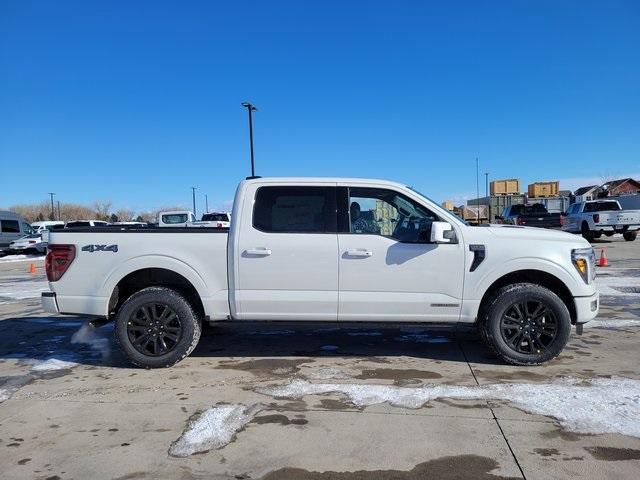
(215, 217)
(295, 209)
(10, 226)
(601, 207)
(78, 224)
(175, 218)
(390, 214)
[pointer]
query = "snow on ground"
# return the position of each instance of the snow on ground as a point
(22, 258)
(596, 406)
(51, 364)
(213, 429)
(21, 288)
(609, 284)
(612, 323)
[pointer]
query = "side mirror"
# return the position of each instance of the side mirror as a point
(442, 232)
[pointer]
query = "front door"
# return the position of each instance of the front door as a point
(288, 256)
(389, 270)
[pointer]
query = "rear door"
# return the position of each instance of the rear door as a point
(389, 270)
(287, 254)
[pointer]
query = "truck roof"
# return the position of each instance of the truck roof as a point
(350, 180)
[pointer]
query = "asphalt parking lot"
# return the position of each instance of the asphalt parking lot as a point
(318, 401)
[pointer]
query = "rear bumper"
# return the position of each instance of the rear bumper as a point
(587, 308)
(49, 302)
(94, 306)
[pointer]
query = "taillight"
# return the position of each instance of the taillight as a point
(561, 220)
(596, 218)
(219, 224)
(32, 241)
(519, 221)
(58, 260)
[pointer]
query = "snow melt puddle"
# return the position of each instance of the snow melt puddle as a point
(212, 429)
(600, 405)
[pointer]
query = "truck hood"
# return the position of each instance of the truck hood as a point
(516, 232)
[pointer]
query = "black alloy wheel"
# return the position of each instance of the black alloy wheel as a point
(154, 329)
(528, 327)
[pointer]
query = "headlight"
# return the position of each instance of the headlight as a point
(584, 259)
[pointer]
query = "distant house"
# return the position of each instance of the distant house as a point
(623, 186)
(584, 194)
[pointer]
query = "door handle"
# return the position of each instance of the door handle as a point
(359, 252)
(264, 252)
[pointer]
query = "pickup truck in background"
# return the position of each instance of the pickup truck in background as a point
(597, 217)
(213, 220)
(323, 249)
(535, 215)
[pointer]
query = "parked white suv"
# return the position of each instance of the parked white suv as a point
(337, 250)
(597, 217)
(175, 218)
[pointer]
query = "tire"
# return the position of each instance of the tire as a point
(179, 330)
(630, 236)
(537, 348)
(586, 233)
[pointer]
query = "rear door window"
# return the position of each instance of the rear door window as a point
(175, 218)
(295, 210)
(9, 226)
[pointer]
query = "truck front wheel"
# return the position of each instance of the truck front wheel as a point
(157, 327)
(525, 324)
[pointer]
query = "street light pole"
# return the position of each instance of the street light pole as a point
(53, 212)
(206, 203)
(193, 193)
(59, 214)
(477, 191)
(250, 108)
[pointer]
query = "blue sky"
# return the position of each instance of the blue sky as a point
(135, 102)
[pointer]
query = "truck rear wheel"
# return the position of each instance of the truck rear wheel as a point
(157, 327)
(525, 324)
(586, 233)
(630, 236)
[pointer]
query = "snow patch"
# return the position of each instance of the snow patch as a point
(51, 364)
(212, 429)
(22, 258)
(607, 285)
(612, 323)
(326, 373)
(596, 406)
(21, 288)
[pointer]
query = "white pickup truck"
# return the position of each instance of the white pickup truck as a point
(337, 250)
(596, 217)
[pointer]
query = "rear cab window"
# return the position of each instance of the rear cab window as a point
(9, 226)
(175, 218)
(295, 209)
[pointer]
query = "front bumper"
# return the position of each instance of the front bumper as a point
(49, 302)
(587, 308)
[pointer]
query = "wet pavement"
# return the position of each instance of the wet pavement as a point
(73, 407)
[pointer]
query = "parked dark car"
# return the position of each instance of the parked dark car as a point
(535, 215)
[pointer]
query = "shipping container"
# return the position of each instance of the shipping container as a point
(474, 213)
(497, 203)
(447, 205)
(544, 189)
(505, 187)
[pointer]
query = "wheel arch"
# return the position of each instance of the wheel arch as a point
(139, 279)
(537, 277)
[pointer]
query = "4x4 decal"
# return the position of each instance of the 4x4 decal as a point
(100, 248)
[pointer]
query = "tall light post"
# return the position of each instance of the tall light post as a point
(477, 191)
(193, 193)
(250, 108)
(59, 214)
(486, 194)
(206, 203)
(53, 212)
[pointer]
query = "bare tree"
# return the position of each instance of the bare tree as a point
(102, 210)
(124, 214)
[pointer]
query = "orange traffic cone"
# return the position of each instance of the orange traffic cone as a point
(603, 262)
(32, 268)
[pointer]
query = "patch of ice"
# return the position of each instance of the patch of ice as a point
(606, 285)
(599, 405)
(421, 338)
(364, 334)
(51, 364)
(212, 429)
(329, 348)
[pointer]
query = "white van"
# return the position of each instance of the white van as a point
(12, 227)
(176, 218)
